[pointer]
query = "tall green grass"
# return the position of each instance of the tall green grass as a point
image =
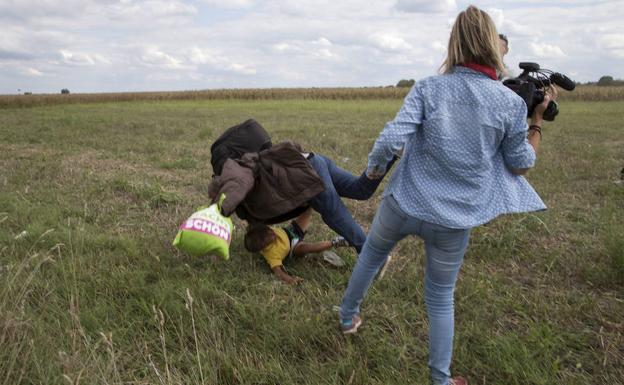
(91, 292)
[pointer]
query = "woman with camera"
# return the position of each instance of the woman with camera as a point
(465, 144)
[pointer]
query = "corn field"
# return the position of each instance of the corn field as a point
(582, 93)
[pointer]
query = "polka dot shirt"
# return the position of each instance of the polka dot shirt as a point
(461, 134)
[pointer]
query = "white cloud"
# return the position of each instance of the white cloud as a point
(546, 51)
(206, 57)
(425, 6)
(438, 46)
(203, 56)
(321, 48)
(79, 59)
(153, 56)
(27, 9)
(389, 41)
(325, 54)
(286, 47)
(164, 76)
(230, 3)
(498, 17)
(33, 72)
(117, 45)
(9, 42)
(612, 44)
(148, 10)
(400, 60)
(324, 42)
(242, 69)
(9, 55)
(519, 29)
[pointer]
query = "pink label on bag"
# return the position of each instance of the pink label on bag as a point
(207, 227)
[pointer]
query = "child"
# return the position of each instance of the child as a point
(277, 243)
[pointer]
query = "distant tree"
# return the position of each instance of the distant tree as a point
(406, 83)
(65, 91)
(605, 81)
(27, 93)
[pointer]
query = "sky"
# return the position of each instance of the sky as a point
(157, 45)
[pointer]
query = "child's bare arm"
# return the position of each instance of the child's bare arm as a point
(303, 248)
(283, 276)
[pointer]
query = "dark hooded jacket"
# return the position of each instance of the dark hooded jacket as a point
(269, 186)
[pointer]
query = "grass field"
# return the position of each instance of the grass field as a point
(91, 292)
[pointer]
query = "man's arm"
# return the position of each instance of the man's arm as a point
(235, 182)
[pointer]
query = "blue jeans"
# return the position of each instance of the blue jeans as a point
(444, 249)
(340, 183)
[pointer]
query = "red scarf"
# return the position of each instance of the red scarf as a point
(489, 71)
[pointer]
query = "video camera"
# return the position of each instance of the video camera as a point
(532, 83)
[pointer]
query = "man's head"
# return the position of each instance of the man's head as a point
(258, 237)
(473, 39)
(503, 44)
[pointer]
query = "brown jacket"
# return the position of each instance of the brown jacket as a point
(268, 186)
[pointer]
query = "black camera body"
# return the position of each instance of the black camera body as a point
(532, 83)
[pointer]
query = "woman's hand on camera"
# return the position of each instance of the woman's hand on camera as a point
(550, 95)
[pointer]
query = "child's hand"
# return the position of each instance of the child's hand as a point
(283, 276)
(292, 279)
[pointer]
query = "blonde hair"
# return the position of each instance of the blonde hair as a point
(474, 39)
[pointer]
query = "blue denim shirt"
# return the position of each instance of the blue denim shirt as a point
(461, 133)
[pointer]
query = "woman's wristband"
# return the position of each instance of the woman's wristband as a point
(537, 128)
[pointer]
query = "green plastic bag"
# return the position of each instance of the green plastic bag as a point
(206, 232)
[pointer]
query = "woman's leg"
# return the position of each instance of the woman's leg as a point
(389, 227)
(445, 249)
